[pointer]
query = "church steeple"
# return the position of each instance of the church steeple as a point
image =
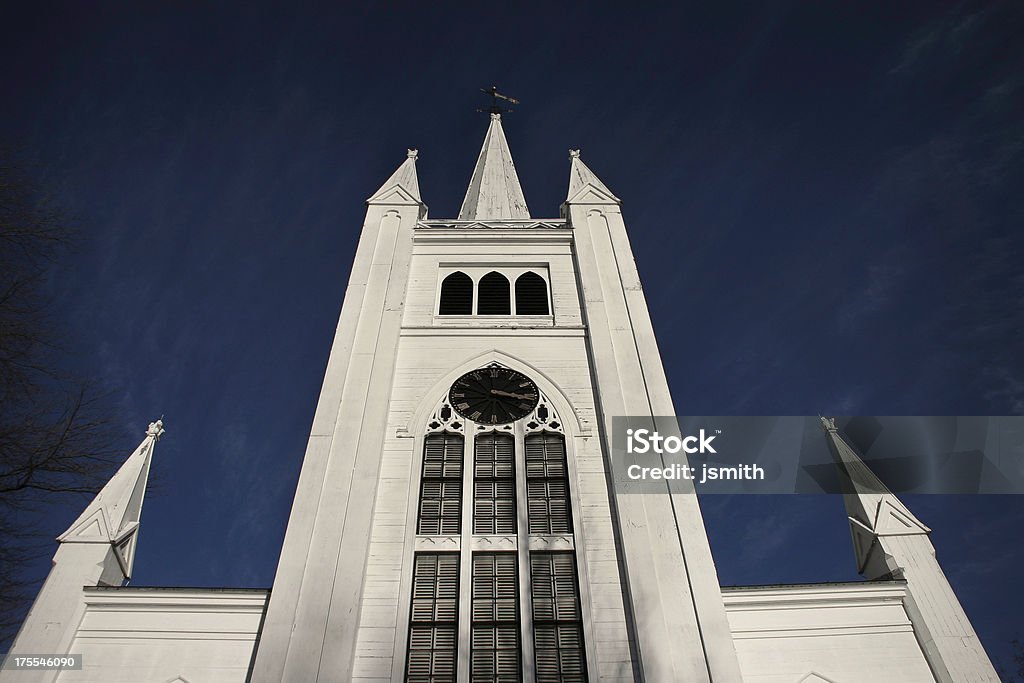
(98, 549)
(890, 542)
(874, 511)
(494, 192)
(113, 515)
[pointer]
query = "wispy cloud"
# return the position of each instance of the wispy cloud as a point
(947, 34)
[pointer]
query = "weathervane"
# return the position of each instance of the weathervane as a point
(496, 108)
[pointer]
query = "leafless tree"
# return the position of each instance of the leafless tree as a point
(56, 435)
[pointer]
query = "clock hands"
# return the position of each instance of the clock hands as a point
(476, 396)
(508, 394)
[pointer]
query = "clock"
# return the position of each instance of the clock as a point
(494, 395)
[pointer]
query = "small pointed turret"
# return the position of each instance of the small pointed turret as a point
(494, 192)
(403, 185)
(873, 509)
(582, 180)
(98, 549)
(113, 515)
(890, 542)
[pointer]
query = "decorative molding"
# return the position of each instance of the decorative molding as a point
(445, 419)
(892, 521)
(494, 543)
(560, 542)
(543, 418)
(469, 326)
(815, 677)
(803, 596)
(436, 543)
(529, 224)
(591, 194)
(506, 428)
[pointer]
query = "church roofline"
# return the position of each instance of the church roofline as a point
(173, 589)
(815, 584)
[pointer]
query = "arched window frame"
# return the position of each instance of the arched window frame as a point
(524, 277)
(543, 419)
(502, 286)
(451, 278)
(512, 273)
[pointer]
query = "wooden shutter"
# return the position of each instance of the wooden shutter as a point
(494, 485)
(494, 295)
(531, 295)
(433, 627)
(456, 295)
(494, 640)
(558, 626)
(441, 486)
(547, 485)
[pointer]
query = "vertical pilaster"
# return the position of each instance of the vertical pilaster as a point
(673, 592)
(312, 619)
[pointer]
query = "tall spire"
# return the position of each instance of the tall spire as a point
(873, 509)
(113, 515)
(890, 542)
(863, 492)
(494, 192)
(97, 550)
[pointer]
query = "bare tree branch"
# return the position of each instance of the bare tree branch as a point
(56, 433)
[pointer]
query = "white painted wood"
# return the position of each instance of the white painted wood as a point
(129, 635)
(652, 607)
(889, 541)
(310, 632)
(680, 626)
(494, 191)
(838, 632)
(97, 549)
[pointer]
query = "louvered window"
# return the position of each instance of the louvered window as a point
(547, 485)
(531, 295)
(494, 295)
(494, 485)
(557, 621)
(433, 630)
(456, 295)
(441, 485)
(495, 627)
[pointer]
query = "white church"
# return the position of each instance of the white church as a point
(454, 518)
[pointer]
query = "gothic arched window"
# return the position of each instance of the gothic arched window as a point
(517, 542)
(456, 295)
(494, 295)
(531, 295)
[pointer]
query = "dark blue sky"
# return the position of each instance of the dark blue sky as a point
(825, 202)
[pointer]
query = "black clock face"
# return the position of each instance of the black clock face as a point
(494, 395)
